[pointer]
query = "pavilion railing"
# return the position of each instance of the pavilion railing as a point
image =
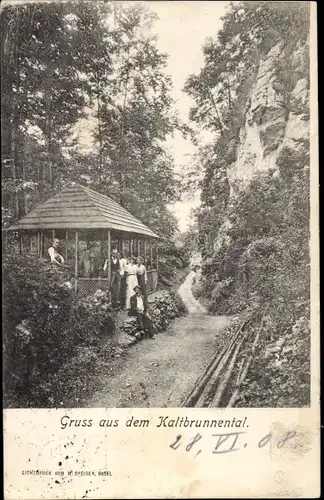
(88, 286)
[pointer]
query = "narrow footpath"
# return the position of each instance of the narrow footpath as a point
(161, 372)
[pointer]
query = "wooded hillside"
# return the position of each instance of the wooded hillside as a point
(253, 224)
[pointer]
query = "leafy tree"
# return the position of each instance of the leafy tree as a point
(63, 60)
(43, 89)
(134, 116)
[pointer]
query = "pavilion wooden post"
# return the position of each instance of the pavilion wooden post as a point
(76, 265)
(102, 257)
(38, 244)
(53, 234)
(108, 255)
(31, 243)
(41, 244)
(145, 251)
(66, 244)
(157, 257)
(20, 243)
(151, 253)
(5, 240)
(131, 246)
(122, 246)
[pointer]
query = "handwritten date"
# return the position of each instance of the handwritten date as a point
(232, 441)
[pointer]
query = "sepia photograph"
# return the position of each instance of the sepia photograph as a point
(155, 161)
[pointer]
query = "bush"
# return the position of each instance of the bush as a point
(171, 259)
(264, 267)
(280, 373)
(179, 305)
(45, 326)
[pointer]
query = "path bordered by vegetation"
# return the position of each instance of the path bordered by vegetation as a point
(161, 372)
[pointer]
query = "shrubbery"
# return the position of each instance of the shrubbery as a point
(268, 251)
(50, 336)
(55, 343)
(280, 373)
(171, 260)
(264, 268)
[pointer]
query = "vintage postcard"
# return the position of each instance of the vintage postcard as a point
(160, 237)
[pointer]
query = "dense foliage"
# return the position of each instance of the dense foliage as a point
(56, 346)
(70, 69)
(50, 337)
(172, 261)
(255, 241)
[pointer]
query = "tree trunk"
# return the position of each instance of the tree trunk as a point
(99, 129)
(7, 107)
(48, 132)
(16, 119)
(121, 161)
(25, 178)
(7, 70)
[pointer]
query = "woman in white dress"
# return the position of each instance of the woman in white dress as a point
(131, 280)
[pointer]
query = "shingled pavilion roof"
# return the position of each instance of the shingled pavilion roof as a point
(78, 207)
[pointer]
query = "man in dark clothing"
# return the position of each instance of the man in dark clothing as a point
(139, 309)
(115, 278)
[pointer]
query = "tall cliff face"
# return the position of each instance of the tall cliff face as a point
(276, 122)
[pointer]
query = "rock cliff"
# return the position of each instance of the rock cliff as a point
(276, 122)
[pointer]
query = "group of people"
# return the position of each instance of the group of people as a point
(128, 283)
(126, 273)
(128, 287)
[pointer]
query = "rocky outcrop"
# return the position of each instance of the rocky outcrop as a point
(277, 120)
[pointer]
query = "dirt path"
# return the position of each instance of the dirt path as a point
(161, 372)
(192, 304)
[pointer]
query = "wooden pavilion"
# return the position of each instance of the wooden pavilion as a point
(85, 219)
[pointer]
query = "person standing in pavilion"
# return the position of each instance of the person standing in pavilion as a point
(123, 263)
(54, 255)
(115, 277)
(87, 265)
(131, 281)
